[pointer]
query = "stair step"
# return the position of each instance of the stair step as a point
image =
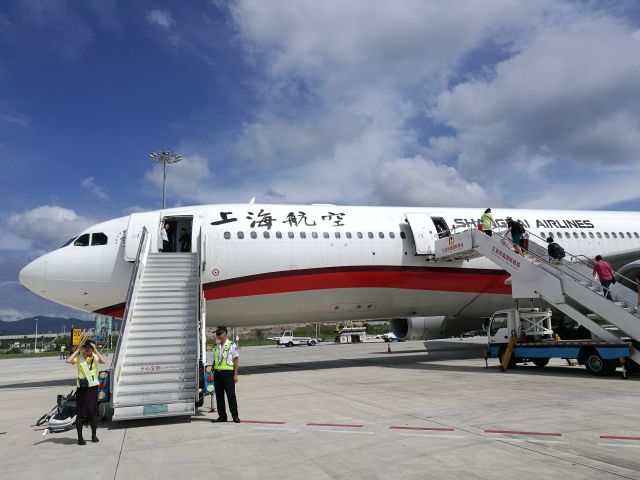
(134, 350)
(153, 335)
(147, 358)
(130, 371)
(131, 411)
(178, 293)
(159, 342)
(134, 387)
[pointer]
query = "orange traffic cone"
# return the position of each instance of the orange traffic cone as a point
(389, 347)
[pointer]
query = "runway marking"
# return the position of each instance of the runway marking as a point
(618, 445)
(616, 437)
(339, 425)
(263, 422)
(346, 431)
(511, 432)
(277, 429)
(434, 429)
(526, 440)
(431, 435)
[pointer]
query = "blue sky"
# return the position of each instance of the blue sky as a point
(416, 102)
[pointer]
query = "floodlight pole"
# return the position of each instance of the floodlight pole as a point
(164, 157)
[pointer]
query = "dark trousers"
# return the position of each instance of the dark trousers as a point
(607, 293)
(223, 383)
(166, 246)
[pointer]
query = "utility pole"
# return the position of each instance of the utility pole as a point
(164, 157)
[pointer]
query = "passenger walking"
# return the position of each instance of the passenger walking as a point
(62, 354)
(225, 375)
(516, 230)
(185, 240)
(487, 222)
(86, 358)
(603, 271)
(555, 251)
(638, 287)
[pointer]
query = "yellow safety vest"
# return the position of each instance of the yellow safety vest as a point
(487, 221)
(88, 371)
(226, 363)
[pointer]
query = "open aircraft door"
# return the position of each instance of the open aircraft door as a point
(424, 232)
(137, 221)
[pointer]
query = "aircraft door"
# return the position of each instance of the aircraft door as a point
(137, 221)
(424, 232)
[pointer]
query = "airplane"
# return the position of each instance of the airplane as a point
(267, 264)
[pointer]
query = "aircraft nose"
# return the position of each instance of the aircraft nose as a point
(33, 276)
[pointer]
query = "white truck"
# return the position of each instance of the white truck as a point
(288, 340)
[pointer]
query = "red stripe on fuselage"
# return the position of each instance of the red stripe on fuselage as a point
(407, 278)
(467, 280)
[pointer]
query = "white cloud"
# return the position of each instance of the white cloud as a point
(47, 226)
(184, 179)
(571, 95)
(89, 184)
(161, 18)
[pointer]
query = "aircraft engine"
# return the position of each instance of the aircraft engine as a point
(431, 328)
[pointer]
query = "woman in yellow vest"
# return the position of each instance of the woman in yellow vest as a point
(86, 358)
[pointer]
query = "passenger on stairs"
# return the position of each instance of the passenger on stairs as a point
(225, 376)
(603, 271)
(556, 252)
(516, 230)
(638, 287)
(86, 358)
(487, 222)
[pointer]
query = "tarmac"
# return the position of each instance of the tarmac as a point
(347, 411)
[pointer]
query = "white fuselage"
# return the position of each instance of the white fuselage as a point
(273, 264)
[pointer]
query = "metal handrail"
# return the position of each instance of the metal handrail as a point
(583, 259)
(567, 267)
(201, 348)
(132, 283)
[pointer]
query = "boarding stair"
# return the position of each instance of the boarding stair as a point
(157, 363)
(566, 284)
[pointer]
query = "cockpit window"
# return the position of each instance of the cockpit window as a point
(68, 242)
(98, 239)
(82, 240)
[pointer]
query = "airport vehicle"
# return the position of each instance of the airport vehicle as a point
(288, 340)
(429, 269)
(519, 335)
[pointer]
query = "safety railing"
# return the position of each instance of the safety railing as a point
(118, 357)
(201, 330)
(564, 269)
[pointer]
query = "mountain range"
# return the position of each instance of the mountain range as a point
(47, 325)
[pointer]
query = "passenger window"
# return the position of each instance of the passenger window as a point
(337, 234)
(392, 235)
(606, 235)
(628, 235)
(82, 241)
(575, 234)
(291, 235)
(240, 235)
(303, 234)
(227, 235)
(558, 234)
(381, 235)
(635, 234)
(254, 235)
(359, 234)
(98, 239)
(613, 234)
(325, 234)
(265, 234)
(621, 234)
(598, 234)
(542, 235)
(590, 234)
(314, 234)
(370, 234)
(348, 234)
(403, 235)
(278, 234)
(583, 235)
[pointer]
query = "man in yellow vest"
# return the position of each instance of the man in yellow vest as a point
(225, 376)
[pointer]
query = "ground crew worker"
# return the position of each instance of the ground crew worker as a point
(225, 375)
(86, 358)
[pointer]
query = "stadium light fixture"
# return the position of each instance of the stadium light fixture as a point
(164, 158)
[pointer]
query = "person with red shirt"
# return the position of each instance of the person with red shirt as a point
(603, 271)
